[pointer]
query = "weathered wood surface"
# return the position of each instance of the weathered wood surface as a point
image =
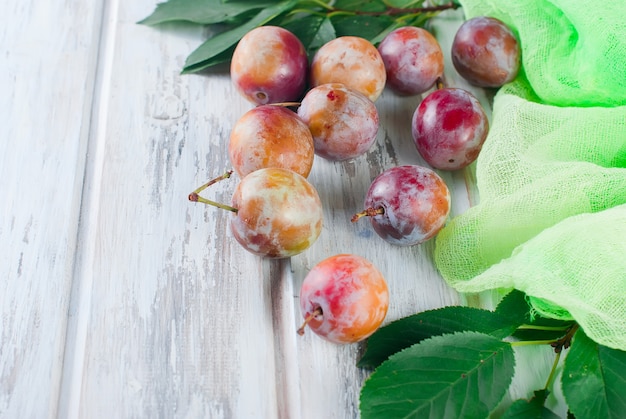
(47, 77)
(122, 299)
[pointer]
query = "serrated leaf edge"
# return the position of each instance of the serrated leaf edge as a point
(397, 354)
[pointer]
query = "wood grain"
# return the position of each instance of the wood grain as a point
(47, 80)
(122, 298)
(177, 317)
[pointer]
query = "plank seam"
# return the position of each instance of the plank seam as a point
(80, 297)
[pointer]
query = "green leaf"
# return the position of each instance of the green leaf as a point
(530, 409)
(203, 11)
(360, 5)
(368, 27)
(222, 57)
(312, 30)
(594, 379)
(450, 376)
(202, 57)
(409, 330)
(542, 328)
(515, 306)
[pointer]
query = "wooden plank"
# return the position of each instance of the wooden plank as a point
(49, 52)
(177, 319)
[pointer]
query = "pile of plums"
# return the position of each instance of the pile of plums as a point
(325, 106)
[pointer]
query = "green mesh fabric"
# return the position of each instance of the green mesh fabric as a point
(552, 174)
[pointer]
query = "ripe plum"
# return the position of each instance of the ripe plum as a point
(449, 128)
(271, 136)
(350, 60)
(407, 205)
(344, 122)
(344, 299)
(413, 60)
(269, 65)
(485, 52)
(277, 212)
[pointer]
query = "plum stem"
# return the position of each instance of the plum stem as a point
(286, 104)
(317, 312)
(195, 197)
(330, 11)
(439, 83)
(369, 212)
(394, 11)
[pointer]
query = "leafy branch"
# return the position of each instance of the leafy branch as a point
(394, 11)
(314, 22)
(459, 361)
(559, 345)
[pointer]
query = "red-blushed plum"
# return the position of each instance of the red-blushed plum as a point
(449, 128)
(344, 122)
(344, 299)
(485, 52)
(269, 65)
(413, 60)
(350, 60)
(407, 205)
(271, 136)
(277, 213)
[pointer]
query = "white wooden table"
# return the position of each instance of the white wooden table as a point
(121, 299)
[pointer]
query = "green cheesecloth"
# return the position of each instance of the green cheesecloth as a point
(552, 174)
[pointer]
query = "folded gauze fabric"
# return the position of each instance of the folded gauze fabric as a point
(552, 174)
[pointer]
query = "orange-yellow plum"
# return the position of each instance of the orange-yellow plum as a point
(271, 136)
(279, 213)
(353, 61)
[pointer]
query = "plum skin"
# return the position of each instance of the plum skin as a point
(413, 60)
(352, 294)
(353, 61)
(449, 128)
(415, 203)
(271, 136)
(279, 213)
(485, 52)
(269, 65)
(344, 123)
